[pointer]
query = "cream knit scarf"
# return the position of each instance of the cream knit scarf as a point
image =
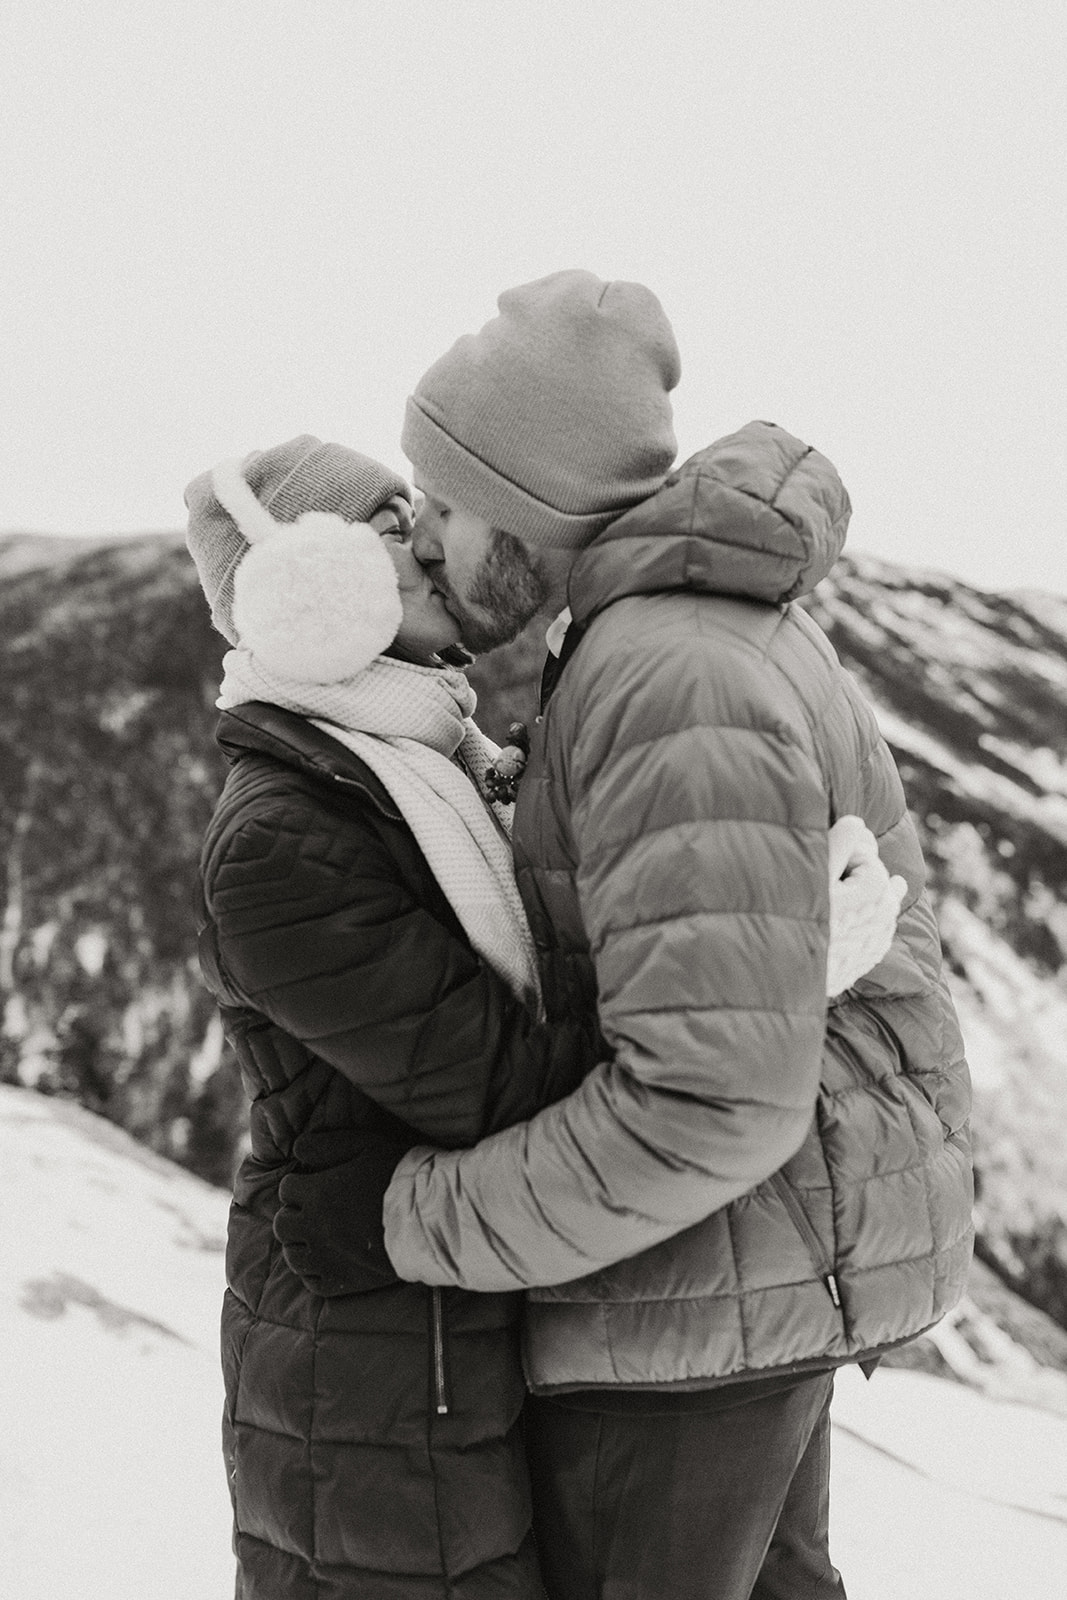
(407, 722)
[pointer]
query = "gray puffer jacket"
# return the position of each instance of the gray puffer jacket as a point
(747, 1183)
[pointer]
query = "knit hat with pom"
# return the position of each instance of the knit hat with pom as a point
(288, 564)
(555, 418)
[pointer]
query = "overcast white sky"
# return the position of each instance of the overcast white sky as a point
(229, 221)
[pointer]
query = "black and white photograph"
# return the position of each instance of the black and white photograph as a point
(533, 800)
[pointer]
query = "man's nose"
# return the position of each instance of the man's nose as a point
(425, 541)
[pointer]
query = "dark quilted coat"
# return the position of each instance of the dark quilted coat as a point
(372, 1439)
(792, 1186)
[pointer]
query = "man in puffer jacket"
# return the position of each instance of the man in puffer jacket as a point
(749, 1189)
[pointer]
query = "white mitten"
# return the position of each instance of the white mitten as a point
(864, 904)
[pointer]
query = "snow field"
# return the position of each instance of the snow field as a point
(111, 1480)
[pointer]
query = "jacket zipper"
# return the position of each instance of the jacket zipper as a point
(823, 1265)
(437, 1318)
(361, 788)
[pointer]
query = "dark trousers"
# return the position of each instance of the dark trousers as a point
(729, 1503)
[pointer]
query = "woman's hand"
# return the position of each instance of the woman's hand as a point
(864, 904)
(329, 1224)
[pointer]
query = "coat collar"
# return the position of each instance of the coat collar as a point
(288, 737)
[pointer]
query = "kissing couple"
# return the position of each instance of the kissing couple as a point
(600, 1111)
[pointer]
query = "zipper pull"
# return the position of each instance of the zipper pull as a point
(831, 1284)
(438, 1326)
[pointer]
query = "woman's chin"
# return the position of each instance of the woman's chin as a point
(427, 649)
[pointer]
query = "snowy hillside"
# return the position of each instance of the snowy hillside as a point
(111, 1482)
(970, 689)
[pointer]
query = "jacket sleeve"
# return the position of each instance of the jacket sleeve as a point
(320, 934)
(699, 826)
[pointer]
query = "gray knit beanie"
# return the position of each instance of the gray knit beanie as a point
(289, 480)
(555, 418)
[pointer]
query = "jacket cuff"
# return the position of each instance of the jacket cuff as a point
(404, 1238)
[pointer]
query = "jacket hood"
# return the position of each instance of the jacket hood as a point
(758, 514)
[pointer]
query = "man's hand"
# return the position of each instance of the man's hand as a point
(864, 904)
(330, 1221)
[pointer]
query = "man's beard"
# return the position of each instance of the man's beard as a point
(508, 588)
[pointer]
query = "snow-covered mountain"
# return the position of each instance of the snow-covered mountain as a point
(971, 692)
(111, 1477)
(108, 772)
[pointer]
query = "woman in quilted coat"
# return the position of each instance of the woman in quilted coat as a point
(364, 936)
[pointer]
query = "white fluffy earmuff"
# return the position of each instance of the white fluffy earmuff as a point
(316, 599)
